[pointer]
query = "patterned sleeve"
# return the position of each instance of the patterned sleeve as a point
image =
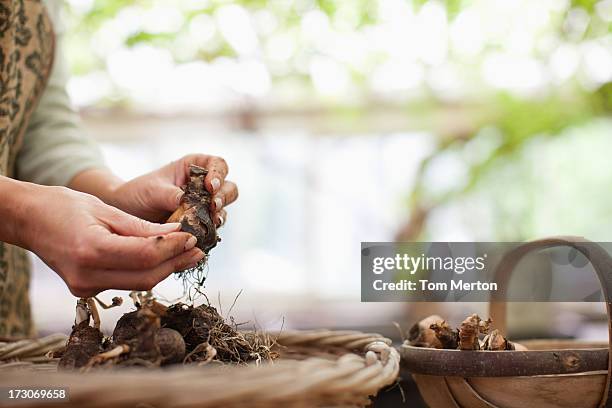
(55, 147)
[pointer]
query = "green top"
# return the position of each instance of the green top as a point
(55, 147)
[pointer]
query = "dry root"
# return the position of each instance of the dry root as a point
(155, 335)
(435, 332)
(138, 330)
(448, 337)
(203, 328)
(194, 211)
(194, 214)
(171, 346)
(422, 335)
(495, 341)
(111, 355)
(468, 333)
(84, 343)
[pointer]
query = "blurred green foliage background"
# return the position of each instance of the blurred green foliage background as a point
(507, 75)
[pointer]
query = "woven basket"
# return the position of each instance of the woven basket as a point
(551, 374)
(316, 368)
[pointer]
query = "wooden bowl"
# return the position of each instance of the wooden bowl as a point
(550, 374)
(566, 377)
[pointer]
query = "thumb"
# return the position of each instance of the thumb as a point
(128, 225)
(167, 197)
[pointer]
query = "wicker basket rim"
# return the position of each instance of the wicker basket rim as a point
(369, 363)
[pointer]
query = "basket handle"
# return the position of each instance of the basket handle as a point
(599, 258)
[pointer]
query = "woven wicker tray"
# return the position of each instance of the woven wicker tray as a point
(316, 368)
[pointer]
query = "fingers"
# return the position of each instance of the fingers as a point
(128, 242)
(216, 166)
(226, 195)
(220, 218)
(136, 253)
(217, 171)
(166, 197)
(128, 225)
(224, 192)
(99, 280)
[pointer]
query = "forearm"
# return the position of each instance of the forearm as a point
(14, 205)
(101, 183)
(91, 245)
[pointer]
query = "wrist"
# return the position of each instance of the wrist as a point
(98, 182)
(18, 197)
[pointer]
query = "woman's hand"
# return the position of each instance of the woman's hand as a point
(154, 196)
(94, 246)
